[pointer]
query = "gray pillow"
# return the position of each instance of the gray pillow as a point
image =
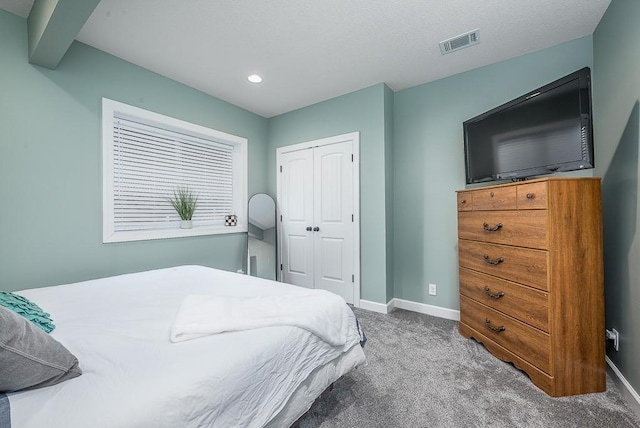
(29, 357)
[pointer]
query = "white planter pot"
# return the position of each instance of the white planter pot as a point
(186, 224)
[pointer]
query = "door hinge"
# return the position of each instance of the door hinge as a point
(351, 157)
(352, 219)
(280, 168)
(280, 218)
(353, 278)
(280, 266)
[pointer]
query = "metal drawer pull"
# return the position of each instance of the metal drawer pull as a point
(529, 195)
(493, 295)
(492, 229)
(487, 322)
(463, 201)
(494, 261)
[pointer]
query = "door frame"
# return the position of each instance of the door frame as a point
(354, 137)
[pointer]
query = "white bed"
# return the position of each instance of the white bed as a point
(133, 376)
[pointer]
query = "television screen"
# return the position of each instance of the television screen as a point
(539, 133)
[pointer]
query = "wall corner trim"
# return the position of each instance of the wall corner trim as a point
(630, 394)
(376, 307)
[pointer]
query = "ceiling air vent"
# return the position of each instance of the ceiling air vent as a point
(460, 42)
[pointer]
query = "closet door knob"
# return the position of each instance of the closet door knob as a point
(316, 229)
(308, 228)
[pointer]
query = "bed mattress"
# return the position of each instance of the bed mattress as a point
(133, 376)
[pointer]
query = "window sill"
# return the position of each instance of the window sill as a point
(147, 235)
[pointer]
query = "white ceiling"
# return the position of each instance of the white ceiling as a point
(308, 51)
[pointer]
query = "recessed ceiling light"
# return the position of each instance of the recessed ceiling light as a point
(254, 78)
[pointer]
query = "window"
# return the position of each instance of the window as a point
(148, 156)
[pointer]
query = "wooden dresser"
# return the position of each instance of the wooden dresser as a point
(531, 279)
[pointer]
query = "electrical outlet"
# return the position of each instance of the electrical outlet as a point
(432, 289)
(613, 336)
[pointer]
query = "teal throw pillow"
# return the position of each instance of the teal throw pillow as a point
(28, 309)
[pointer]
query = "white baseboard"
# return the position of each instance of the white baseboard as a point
(633, 399)
(376, 307)
(408, 305)
(423, 308)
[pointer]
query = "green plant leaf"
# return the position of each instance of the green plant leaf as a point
(184, 201)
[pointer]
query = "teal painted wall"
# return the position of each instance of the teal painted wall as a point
(616, 97)
(50, 164)
(429, 161)
(361, 111)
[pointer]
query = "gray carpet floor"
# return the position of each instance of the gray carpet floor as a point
(422, 373)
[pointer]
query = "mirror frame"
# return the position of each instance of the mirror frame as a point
(264, 220)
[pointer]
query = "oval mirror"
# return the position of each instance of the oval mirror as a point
(262, 237)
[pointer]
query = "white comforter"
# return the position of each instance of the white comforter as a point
(204, 315)
(134, 376)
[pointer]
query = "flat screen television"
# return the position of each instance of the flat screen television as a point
(544, 131)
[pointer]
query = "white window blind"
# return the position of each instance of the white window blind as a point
(149, 160)
(151, 163)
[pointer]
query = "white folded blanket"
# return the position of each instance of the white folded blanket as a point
(320, 312)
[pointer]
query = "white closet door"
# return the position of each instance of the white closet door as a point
(296, 208)
(333, 219)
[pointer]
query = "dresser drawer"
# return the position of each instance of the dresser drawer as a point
(465, 201)
(524, 303)
(494, 198)
(522, 265)
(505, 227)
(532, 196)
(525, 341)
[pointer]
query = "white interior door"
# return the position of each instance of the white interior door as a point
(333, 219)
(318, 203)
(296, 209)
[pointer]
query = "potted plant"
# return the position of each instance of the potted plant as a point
(184, 202)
